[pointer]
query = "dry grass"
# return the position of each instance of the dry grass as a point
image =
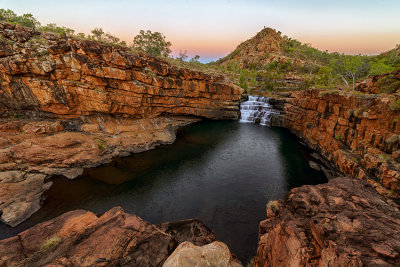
(50, 242)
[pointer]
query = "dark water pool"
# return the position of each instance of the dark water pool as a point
(221, 172)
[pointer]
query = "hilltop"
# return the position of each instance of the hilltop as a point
(270, 61)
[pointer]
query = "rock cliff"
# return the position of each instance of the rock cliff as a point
(44, 74)
(68, 104)
(342, 223)
(359, 133)
(80, 238)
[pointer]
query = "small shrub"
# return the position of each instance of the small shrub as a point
(388, 84)
(17, 115)
(339, 137)
(393, 139)
(359, 111)
(384, 157)
(102, 145)
(50, 242)
(273, 205)
(243, 82)
(326, 92)
(395, 105)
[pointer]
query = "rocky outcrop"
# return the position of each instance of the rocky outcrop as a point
(68, 104)
(342, 223)
(31, 152)
(214, 254)
(385, 83)
(263, 48)
(80, 238)
(44, 74)
(358, 133)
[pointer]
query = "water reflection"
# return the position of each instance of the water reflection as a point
(221, 172)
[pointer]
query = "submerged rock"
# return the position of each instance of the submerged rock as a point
(342, 223)
(80, 238)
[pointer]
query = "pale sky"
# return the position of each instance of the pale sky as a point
(213, 28)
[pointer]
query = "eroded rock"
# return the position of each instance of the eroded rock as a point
(342, 223)
(80, 238)
(214, 254)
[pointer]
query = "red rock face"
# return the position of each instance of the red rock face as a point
(67, 78)
(359, 134)
(342, 223)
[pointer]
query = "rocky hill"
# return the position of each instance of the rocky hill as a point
(261, 49)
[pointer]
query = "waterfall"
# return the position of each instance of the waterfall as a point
(257, 110)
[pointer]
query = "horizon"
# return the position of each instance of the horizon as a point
(359, 27)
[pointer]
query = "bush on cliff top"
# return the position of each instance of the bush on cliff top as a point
(152, 43)
(26, 20)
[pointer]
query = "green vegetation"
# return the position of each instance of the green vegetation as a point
(314, 68)
(388, 84)
(26, 20)
(62, 31)
(339, 137)
(243, 81)
(102, 145)
(359, 111)
(50, 242)
(395, 105)
(151, 43)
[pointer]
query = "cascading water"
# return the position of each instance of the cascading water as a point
(257, 110)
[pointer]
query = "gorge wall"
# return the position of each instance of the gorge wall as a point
(359, 133)
(63, 77)
(68, 104)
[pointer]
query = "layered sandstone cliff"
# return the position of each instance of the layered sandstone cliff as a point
(359, 133)
(342, 223)
(68, 104)
(51, 76)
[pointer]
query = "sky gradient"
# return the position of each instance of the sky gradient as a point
(213, 28)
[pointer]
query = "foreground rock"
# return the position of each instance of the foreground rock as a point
(214, 254)
(69, 104)
(342, 223)
(80, 238)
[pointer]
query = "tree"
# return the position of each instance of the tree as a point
(26, 20)
(153, 44)
(349, 68)
(195, 58)
(52, 27)
(243, 81)
(182, 55)
(379, 66)
(97, 34)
